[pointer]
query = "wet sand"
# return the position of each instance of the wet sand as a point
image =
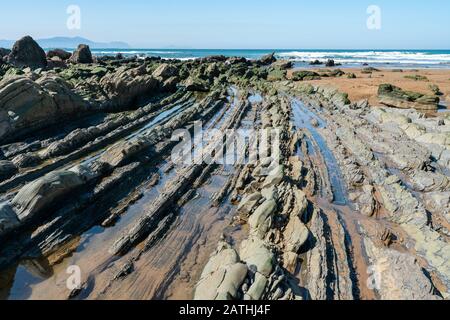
(365, 86)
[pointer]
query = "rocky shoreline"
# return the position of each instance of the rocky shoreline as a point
(357, 207)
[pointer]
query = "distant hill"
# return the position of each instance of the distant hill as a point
(70, 43)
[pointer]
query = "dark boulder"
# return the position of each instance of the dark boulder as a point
(268, 59)
(60, 53)
(330, 63)
(305, 75)
(82, 55)
(27, 53)
(315, 63)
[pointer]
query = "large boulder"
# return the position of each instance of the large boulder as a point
(41, 193)
(27, 53)
(59, 53)
(27, 105)
(267, 59)
(330, 63)
(395, 97)
(66, 100)
(82, 55)
(222, 276)
(316, 63)
(23, 104)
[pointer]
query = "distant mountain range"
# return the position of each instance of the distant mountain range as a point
(70, 43)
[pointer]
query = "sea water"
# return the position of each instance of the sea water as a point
(408, 59)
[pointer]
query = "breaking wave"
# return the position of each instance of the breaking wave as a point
(378, 57)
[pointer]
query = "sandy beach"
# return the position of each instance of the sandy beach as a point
(365, 86)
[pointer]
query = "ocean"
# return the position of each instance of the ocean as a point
(439, 59)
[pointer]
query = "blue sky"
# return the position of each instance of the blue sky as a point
(318, 24)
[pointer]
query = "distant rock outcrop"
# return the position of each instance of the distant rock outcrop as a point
(60, 53)
(395, 97)
(82, 55)
(305, 75)
(268, 59)
(330, 63)
(27, 53)
(316, 62)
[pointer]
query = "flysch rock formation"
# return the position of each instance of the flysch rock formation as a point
(353, 203)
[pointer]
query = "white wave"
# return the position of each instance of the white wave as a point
(369, 57)
(180, 59)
